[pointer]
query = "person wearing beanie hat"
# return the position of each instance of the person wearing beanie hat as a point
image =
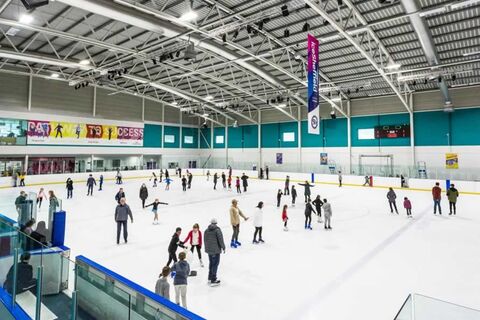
(214, 245)
(258, 223)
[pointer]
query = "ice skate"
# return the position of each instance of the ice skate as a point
(201, 264)
(261, 241)
(285, 228)
(233, 245)
(238, 243)
(214, 283)
(255, 242)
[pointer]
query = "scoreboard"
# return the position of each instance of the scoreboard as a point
(392, 131)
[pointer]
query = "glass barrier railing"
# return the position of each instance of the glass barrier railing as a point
(420, 307)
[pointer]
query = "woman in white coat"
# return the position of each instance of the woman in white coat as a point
(258, 223)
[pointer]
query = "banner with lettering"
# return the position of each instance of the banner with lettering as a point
(313, 82)
(73, 133)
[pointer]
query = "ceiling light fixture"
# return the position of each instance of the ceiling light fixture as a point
(54, 75)
(286, 33)
(473, 53)
(209, 98)
(393, 66)
(25, 18)
(84, 62)
(189, 16)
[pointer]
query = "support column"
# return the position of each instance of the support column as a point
(94, 109)
(260, 157)
(25, 165)
(349, 136)
(91, 163)
(226, 142)
(299, 122)
(163, 126)
(143, 109)
(29, 100)
(412, 131)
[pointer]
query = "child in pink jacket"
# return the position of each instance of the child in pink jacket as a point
(408, 206)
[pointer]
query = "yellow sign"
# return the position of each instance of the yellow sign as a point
(451, 161)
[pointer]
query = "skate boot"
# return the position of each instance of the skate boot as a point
(201, 263)
(233, 245)
(285, 228)
(261, 241)
(310, 227)
(306, 226)
(238, 243)
(255, 242)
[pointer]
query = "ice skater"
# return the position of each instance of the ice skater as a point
(391, 196)
(318, 206)
(208, 175)
(155, 179)
(173, 246)
(294, 195)
(224, 180)
(408, 207)
(286, 189)
(181, 271)
(244, 179)
(161, 176)
(22, 179)
(258, 223)
(168, 181)
(184, 183)
(122, 212)
(69, 187)
(143, 194)
(90, 183)
(154, 206)
(308, 215)
(437, 198)
(162, 287)
(452, 195)
(230, 171)
(260, 174)
(285, 217)
(179, 170)
(120, 194)
(229, 183)
(215, 180)
(118, 176)
(367, 181)
(267, 172)
(190, 178)
(327, 212)
(194, 239)
(40, 196)
(235, 214)
(167, 175)
(279, 197)
(340, 178)
(307, 192)
(100, 183)
(214, 245)
(237, 184)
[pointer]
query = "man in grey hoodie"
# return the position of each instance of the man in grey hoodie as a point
(214, 245)
(122, 212)
(391, 196)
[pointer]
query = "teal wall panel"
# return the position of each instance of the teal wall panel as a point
(431, 128)
(172, 131)
(250, 136)
(218, 132)
(272, 135)
(335, 132)
(235, 137)
(465, 127)
(311, 140)
(192, 132)
(205, 138)
(152, 136)
(369, 122)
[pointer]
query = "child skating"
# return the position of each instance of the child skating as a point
(237, 184)
(155, 204)
(408, 207)
(229, 182)
(279, 197)
(285, 217)
(294, 195)
(318, 206)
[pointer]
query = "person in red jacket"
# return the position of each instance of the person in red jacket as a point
(408, 206)
(285, 218)
(437, 197)
(195, 240)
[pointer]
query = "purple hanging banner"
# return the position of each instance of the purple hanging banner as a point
(313, 79)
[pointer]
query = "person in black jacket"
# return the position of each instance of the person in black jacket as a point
(244, 182)
(294, 195)
(224, 180)
(184, 184)
(308, 215)
(190, 178)
(120, 194)
(69, 188)
(143, 194)
(279, 197)
(90, 183)
(25, 279)
(318, 206)
(215, 180)
(167, 175)
(286, 190)
(173, 246)
(307, 191)
(155, 209)
(267, 172)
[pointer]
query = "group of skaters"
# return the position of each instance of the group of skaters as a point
(240, 181)
(18, 178)
(452, 196)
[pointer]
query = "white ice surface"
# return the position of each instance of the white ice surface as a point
(363, 269)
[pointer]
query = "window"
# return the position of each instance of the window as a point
(116, 163)
(169, 138)
(188, 139)
(219, 139)
(13, 132)
(366, 134)
(289, 137)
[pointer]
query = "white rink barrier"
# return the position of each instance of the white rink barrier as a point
(468, 187)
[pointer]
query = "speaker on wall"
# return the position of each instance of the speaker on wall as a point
(31, 4)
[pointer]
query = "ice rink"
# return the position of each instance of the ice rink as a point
(362, 269)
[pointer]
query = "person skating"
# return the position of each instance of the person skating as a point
(327, 212)
(237, 185)
(215, 180)
(214, 245)
(118, 176)
(340, 178)
(224, 180)
(179, 170)
(208, 175)
(143, 194)
(279, 197)
(155, 179)
(307, 192)
(181, 270)
(194, 238)
(308, 215)
(154, 205)
(69, 187)
(168, 181)
(391, 196)
(367, 181)
(260, 174)
(161, 176)
(403, 181)
(294, 195)
(230, 171)
(40, 196)
(437, 197)
(90, 183)
(452, 194)
(184, 183)
(286, 189)
(119, 195)
(162, 287)
(122, 213)
(408, 207)
(318, 206)
(235, 214)
(100, 183)
(285, 217)
(267, 172)
(190, 178)
(20, 201)
(258, 223)
(173, 246)
(53, 205)
(167, 175)
(244, 179)
(22, 179)
(229, 183)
